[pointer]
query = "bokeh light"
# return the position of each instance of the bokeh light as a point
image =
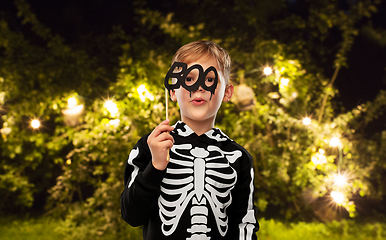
(340, 180)
(35, 123)
(338, 197)
(144, 93)
(284, 81)
(306, 121)
(267, 71)
(335, 142)
(72, 102)
(111, 107)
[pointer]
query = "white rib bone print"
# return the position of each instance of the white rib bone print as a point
(204, 177)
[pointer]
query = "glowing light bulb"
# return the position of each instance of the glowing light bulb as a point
(315, 160)
(319, 158)
(35, 123)
(306, 121)
(267, 71)
(72, 102)
(340, 180)
(338, 197)
(335, 142)
(74, 111)
(284, 81)
(111, 107)
(114, 122)
(144, 93)
(321, 151)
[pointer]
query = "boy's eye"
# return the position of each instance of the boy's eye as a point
(189, 81)
(209, 82)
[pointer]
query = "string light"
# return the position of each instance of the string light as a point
(114, 122)
(35, 124)
(338, 197)
(284, 81)
(144, 93)
(111, 107)
(74, 111)
(340, 180)
(72, 102)
(315, 160)
(306, 121)
(319, 158)
(335, 142)
(267, 71)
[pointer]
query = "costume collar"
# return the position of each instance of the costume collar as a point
(183, 130)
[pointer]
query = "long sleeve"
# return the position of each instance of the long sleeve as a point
(243, 211)
(142, 185)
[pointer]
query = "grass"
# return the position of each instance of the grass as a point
(46, 229)
(23, 229)
(344, 230)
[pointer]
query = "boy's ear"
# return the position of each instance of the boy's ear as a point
(173, 95)
(229, 89)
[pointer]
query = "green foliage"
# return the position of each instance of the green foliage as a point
(271, 229)
(80, 159)
(101, 145)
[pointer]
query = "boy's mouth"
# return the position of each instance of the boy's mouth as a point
(198, 101)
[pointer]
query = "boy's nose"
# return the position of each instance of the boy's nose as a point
(200, 89)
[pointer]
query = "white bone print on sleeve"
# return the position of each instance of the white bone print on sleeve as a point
(133, 154)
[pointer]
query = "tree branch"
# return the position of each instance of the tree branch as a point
(326, 95)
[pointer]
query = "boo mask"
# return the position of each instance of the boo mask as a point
(180, 72)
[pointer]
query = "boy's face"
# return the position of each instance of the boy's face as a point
(201, 105)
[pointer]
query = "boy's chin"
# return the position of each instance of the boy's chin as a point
(199, 118)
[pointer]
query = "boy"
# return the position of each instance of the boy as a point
(205, 189)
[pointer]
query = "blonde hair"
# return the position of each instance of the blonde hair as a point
(204, 49)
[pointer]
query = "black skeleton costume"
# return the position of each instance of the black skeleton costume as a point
(206, 191)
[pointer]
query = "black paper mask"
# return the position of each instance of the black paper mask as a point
(180, 71)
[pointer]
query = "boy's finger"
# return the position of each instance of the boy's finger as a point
(159, 133)
(165, 136)
(167, 144)
(165, 122)
(162, 128)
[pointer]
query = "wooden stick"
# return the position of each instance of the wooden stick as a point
(167, 114)
(167, 103)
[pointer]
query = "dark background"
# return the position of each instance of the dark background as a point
(76, 20)
(72, 20)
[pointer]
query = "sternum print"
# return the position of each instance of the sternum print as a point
(199, 176)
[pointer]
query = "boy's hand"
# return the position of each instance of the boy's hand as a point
(160, 141)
